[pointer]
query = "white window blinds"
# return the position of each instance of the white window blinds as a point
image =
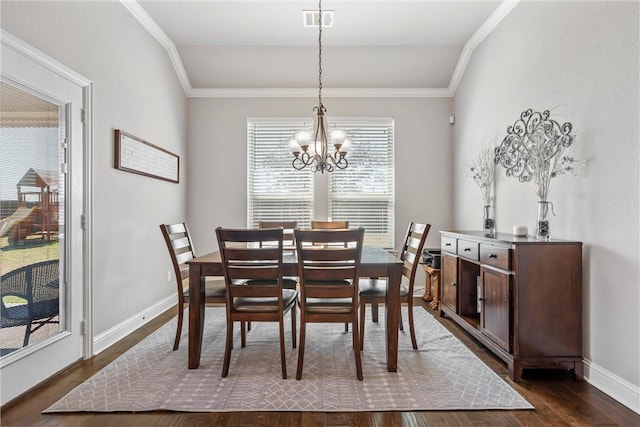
(275, 190)
(364, 192)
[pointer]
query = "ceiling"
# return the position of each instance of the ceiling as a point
(253, 47)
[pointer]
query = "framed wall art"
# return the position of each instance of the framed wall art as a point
(135, 155)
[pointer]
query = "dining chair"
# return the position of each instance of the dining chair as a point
(331, 225)
(253, 280)
(181, 250)
(288, 238)
(329, 276)
(373, 291)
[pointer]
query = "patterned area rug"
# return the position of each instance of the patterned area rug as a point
(441, 375)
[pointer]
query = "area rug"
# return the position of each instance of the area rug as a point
(441, 375)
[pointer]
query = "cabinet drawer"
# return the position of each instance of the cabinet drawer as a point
(449, 244)
(468, 249)
(495, 256)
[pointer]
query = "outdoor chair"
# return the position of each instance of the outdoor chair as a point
(38, 286)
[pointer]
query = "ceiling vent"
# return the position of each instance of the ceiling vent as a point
(311, 18)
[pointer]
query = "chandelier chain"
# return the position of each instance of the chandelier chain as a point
(320, 54)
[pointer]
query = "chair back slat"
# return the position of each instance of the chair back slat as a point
(412, 250)
(181, 250)
(251, 270)
(326, 263)
(329, 225)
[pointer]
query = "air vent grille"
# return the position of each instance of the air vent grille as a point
(311, 18)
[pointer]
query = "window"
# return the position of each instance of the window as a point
(362, 194)
(275, 190)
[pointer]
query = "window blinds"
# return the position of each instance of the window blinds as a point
(275, 190)
(363, 193)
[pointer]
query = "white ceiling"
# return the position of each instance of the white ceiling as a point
(261, 46)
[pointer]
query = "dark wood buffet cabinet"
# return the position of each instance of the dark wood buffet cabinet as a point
(520, 296)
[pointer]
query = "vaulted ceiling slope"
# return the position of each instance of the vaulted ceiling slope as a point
(237, 48)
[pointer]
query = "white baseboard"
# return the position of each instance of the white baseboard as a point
(615, 387)
(106, 339)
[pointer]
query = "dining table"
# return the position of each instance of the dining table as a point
(375, 262)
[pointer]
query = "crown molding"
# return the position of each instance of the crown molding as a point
(326, 93)
(485, 29)
(150, 25)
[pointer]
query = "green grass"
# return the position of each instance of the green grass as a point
(16, 255)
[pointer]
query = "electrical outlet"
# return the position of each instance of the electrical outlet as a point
(168, 275)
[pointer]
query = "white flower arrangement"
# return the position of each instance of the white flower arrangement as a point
(482, 170)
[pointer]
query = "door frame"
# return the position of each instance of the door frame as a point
(39, 58)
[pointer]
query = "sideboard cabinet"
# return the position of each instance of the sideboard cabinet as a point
(519, 296)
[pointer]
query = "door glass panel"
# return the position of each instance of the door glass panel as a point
(32, 150)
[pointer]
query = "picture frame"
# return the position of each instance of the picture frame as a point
(138, 156)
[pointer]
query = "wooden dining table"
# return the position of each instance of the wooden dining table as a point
(375, 262)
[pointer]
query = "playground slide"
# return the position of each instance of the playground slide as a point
(20, 215)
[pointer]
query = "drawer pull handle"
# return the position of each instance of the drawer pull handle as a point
(447, 244)
(467, 249)
(481, 299)
(454, 284)
(493, 256)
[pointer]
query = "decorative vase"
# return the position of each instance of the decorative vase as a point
(542, 226)
(487, 223)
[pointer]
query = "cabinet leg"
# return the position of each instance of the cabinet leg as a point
(578, 373)
(515, 370)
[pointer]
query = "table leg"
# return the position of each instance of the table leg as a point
(392, 307)
(196, 314)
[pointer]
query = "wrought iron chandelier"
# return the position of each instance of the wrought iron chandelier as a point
(311, 147)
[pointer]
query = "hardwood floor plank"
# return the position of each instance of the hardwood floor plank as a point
(557, 398)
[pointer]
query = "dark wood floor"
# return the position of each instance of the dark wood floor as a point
(558, 399)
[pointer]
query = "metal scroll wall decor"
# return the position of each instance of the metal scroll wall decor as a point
(534, 150)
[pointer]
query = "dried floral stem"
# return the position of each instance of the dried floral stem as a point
(482, 171)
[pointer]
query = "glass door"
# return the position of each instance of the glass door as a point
(41, 228)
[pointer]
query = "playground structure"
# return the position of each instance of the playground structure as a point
(37, 208)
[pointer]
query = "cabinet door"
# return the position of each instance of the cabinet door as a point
(495, 317)
(449, 282)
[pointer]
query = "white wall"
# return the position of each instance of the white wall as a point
(218, 151)
(136, 90)
(581, 60)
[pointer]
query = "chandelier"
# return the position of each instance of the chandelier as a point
(311, 147)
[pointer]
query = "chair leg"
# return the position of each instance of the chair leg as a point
(400, 325)
(303, 330)
(293, 325)
(412, 329)
(356, 349)
(374, 312)
(243, 334)
(227, 348)
(27, 334)
(283, 359)
(176, 342)
(363, 313)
